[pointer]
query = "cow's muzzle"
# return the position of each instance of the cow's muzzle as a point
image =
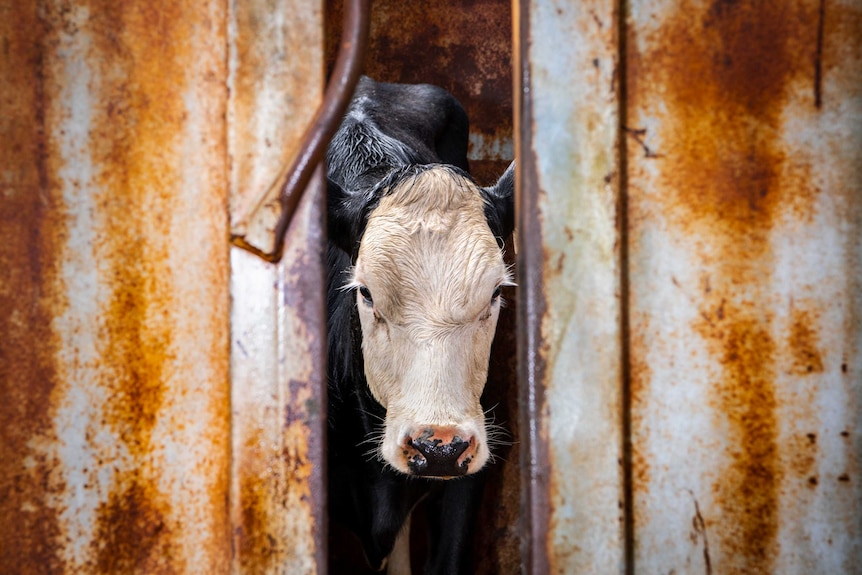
(439, 452)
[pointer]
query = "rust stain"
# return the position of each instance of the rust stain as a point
(724, 75)
(258, 541)
(136, 128)
(841, 50)
(748, 490)
(640, 377)
(133, 532)
(802, 457)
(804, 344)
(724, 71)
(33, 220)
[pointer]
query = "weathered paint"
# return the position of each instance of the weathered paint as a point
(745, 157)
(277, 343)
(115, 302)
(569, 268)
(275, 71)
(279, 408)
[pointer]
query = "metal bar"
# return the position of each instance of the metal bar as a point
(348, 68)
(532, 307)
(278, 406)
(569, 272)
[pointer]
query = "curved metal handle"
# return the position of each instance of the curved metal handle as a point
(345, 75)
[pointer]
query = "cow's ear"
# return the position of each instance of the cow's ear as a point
(341, 217)
(500, 205)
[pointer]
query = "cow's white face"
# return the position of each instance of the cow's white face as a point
(427, 280)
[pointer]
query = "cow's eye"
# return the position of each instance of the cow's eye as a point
(497, 293)
(366, 295)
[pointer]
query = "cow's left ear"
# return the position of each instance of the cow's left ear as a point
(344, 213)
(500, 205)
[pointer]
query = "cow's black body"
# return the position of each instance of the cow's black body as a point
(388, 129)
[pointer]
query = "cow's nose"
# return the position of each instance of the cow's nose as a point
(439, 452)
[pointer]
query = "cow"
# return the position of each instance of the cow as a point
(415, 272)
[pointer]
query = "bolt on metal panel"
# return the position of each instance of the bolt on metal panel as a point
(114, 294)
(745, 155)
(569, 269)
(277, 319)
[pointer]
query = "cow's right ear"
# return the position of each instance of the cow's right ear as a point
(500, 205)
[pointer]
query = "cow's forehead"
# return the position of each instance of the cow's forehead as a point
(428, 244)
(435, 192)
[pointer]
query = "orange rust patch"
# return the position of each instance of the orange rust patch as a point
(841, 47)
(747, 492)
(639, 386)
(724, 76)
(136, 351)
(804, 345)
(134, 143)
(257, 537)
(802, 456)
(133, 533)
(33, 221)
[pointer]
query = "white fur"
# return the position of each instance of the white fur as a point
(432, 265)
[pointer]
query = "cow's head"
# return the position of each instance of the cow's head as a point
(427, 277)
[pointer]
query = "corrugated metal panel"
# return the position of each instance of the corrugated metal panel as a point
(277, 344)
(745, 155)
(114, 300)
(568, 266)
(740, 283)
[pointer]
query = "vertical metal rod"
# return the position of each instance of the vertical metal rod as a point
(625, 317)
(531, 309)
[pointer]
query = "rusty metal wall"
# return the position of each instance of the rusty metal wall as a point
(744, 133)
(689, 244)
(114, 306)
(277, 319)
(690, 239)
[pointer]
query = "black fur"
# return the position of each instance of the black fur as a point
(390, 132)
